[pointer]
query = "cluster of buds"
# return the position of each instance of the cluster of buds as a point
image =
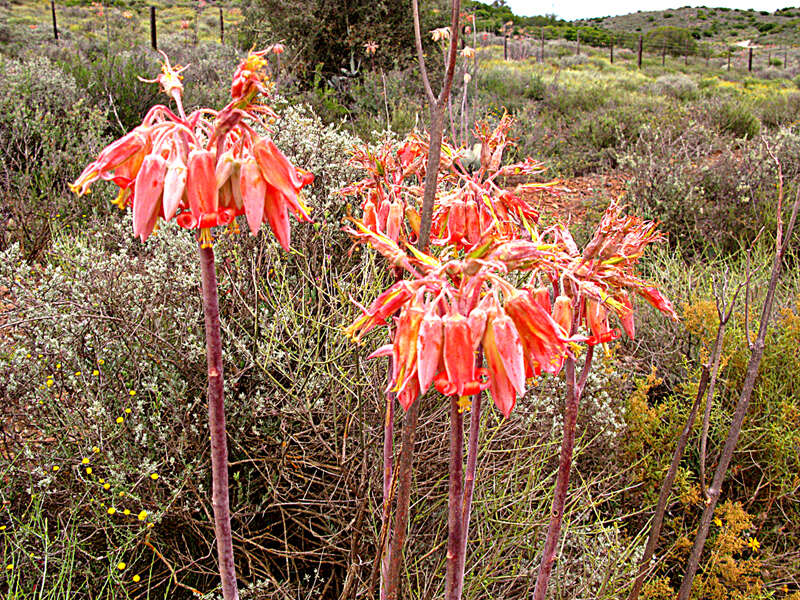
(469, 207)
(204, 169)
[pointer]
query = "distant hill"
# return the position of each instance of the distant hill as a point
(727, 25)
(704, 24)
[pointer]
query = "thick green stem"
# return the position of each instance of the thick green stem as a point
(216, 425)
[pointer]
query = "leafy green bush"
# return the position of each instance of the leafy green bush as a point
(679, 86)
(736, 118)
(48, 132)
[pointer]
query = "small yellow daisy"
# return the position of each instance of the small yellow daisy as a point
(95, 449)
(132, 392)
(50, 383)
(95, 372)
(88, 470)
(106, 486)
(84, 461)
(120, 420)
(142, 515)
(121, 566)
(153, 476)
(111, 510)
(101, 362)
(136, 579)
(126, 512)
(56, 467)
(127, 411)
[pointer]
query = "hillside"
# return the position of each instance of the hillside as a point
(712, 24)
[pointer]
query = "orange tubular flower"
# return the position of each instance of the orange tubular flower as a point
(541, 336)
(503, 350)
(562, 314)
(597, 322)
(147, 195)
(626, 317)
(459, 359)
(382, 307)
(404, 351)
(429, 349)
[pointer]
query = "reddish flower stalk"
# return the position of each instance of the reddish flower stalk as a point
(216, 423)
(203, 171)
(574, 393)
(455, 493)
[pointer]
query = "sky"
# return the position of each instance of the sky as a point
(584, 9)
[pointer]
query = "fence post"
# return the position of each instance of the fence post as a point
(153, 41)
(55, 25)
(729, 59)
(663, 53)
(784, 58)
(639, 59)
(221, 27)
(750, 60)
(578, 51)
(686, 55)
(611, 52)
(505, 45)
(541, 48)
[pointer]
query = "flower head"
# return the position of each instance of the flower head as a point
(205, 169)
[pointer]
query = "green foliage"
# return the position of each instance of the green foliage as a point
(677, 41)
(48, 132)
(736, 118)
(335, 38)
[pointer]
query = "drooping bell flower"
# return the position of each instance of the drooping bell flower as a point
(394, 220)
(456, 221)
(562, 313)
(542, 338)
(133, 145)
(472, 225)
(279, 173)
(597, 322)
(174, 182)
(382, 307)
(430, 341)
(656, 299)
(459, 359)
(477, 325)
(502, 348)
(147, 196)
(541, 296)
(626, 316)
(404, 350)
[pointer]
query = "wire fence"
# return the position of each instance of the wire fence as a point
(222, 22)
(191, 21)
(646, 49)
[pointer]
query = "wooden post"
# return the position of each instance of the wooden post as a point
(729, 59)
(750, 60)
(686, 55)
(541, 47)
(769, 58)
(55, 25)
(784, 58)
(578, 50)
(639, 59)
(663, 54)
(221, 27)
(153, 40)
(611, 52)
